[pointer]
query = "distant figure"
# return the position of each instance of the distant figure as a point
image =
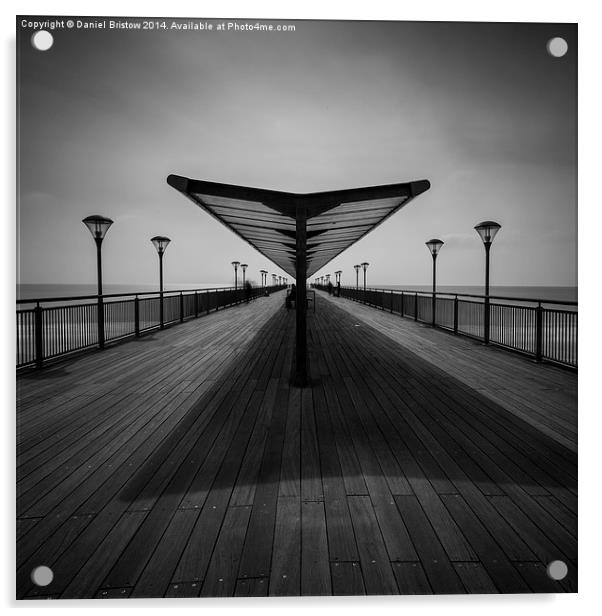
(247, 291)
(291, 297)
(329, 288)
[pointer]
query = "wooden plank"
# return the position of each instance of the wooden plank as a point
(244, 489)
(341, 540)
(437, 566)
(88, 579)
(397, 540)
(315, 567)
(48, 553)
(24, 525)
(376, 568)
(285, 574)
(411, 579)
(548, 540)
(113, 593)
(311, 477)
(536, 576)
(350, 467)
(154, 578)
(497, 565)
(347, 579)
(252, 587)
(475, 578)
(559, 512)
(220, 580)
(257, 551)
(290, 474)
(182, 590)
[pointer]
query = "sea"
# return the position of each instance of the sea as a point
(549, 294)
(48, 291)
(39, 291)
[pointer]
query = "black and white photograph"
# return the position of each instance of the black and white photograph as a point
(296, 307)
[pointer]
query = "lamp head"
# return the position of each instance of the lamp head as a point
(434, 246)
(98, 225)
(160, 243)
(488, 230)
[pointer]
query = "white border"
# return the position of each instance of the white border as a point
(590, 136)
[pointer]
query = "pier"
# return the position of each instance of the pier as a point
(185, 462)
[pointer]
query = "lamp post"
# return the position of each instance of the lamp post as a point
(487, 230)
(243, 267)
(263, 277)
(98, 227)
(434, 246)
(273, 280)
(160, 242)
(235, 264)
(357, 276)
(365, 267)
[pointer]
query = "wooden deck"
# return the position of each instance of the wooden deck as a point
(185, 464)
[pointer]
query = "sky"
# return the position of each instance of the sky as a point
(480, 110)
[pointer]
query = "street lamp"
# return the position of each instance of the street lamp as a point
(487, 230)
(357, 276)
(235, 264)
(243, 267)
(98, 226)
(263, 277)
(273, 280)
(160, 242)
(434, 246)
(365, 267)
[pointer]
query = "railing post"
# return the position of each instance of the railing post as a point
(456, 314)
(181, 307)
(538, 332)
(101, 322)
(486, 322)
(434, 309)
(137, 316)
(402, 305)
(416, 307)
(196, 304)
(391, 302)
(39, 334)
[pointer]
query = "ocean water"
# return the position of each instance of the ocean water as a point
(39, 291)
(563, 294)
(35, 291)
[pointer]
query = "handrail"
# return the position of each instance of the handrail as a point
(132, 294)
(541, 328)
(557, 302)
(74, 323)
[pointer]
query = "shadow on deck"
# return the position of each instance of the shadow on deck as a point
(206, 473)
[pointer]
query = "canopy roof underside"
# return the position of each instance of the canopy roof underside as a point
(267, 219)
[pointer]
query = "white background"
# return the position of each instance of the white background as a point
(590, 202)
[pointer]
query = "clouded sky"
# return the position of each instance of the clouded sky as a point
(480, 110)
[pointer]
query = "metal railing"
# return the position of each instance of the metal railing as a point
(53, 327)
(543, 329)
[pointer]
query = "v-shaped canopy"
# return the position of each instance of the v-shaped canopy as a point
(267, 219)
